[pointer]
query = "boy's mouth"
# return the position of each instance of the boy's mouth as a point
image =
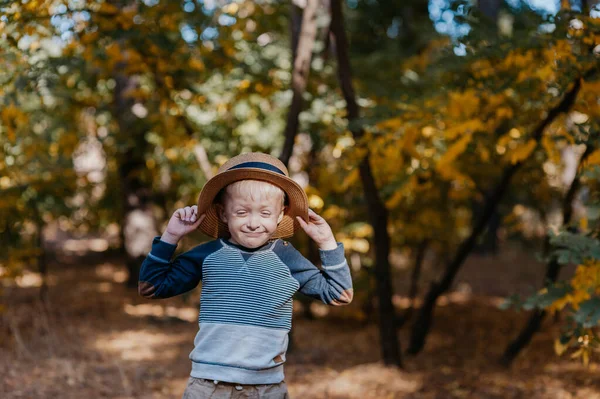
(253, 234)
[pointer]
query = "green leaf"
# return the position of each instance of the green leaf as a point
(588, 314)
(544, 300)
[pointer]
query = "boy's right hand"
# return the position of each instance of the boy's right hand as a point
(183, 221)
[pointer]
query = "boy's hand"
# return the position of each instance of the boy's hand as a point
(318, 229)
(183, 221)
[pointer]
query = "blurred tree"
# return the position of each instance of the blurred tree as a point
(303, 42)
(552, 270)
(164, 90)
(36, 143)
(387, 25)
(378, 215)
(434, 147)
(157, 119)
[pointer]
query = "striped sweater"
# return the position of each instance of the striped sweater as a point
(246, 301)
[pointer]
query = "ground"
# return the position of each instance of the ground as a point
(94, 338)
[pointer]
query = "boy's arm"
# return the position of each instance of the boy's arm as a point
(162, 278)
(332, 284)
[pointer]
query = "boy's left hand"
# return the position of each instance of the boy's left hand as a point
(318, 229)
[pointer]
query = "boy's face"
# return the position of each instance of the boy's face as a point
(252, 216)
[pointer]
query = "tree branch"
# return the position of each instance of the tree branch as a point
(422, 325)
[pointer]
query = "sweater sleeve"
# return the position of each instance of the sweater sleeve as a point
(161, 277)
(332, 284)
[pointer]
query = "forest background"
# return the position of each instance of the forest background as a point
(452, 145)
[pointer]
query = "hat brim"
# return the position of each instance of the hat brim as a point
(297, 201)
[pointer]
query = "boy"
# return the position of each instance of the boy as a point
(248, 275)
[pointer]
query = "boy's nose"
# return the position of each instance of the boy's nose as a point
(253, 222)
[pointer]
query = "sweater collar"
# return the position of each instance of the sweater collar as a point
(263, 247)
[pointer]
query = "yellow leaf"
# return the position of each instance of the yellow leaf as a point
(455, 150)
(559, 348)
(349, 180)
(114, 53)
(106, 8)
(464, 105)
(593, 158)
(449, 173)
(504, 113)
(546, 73)
(522, 152)
(196, 64)
(577, 353)
(125, 19)
(469, 126)
(89, 37)
(391, 124)
(406, 189)
(484, 154)
(171, 154)
(244, 84)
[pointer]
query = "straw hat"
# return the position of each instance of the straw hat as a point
(253, 166)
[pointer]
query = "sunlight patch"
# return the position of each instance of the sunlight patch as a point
(360, 382)
(186, 314)
(138, 345)
(111, 272)
(29, 279)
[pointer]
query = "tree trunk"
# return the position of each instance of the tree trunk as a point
(423, 323)
(552, 270)
(414, 283)
(588, 5)
(303, 30)
(378, 215)
(488, 242)
(301, 67)
(42, 258)
(295, 28)
(202, 158)
(138, 224)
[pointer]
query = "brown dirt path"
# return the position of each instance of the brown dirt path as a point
(96, 339)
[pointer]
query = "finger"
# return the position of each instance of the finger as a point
(182, 213)
(303, 224)
(194, 216)
(179, 214)
(200, 219)
(188, 213)
(314, 217)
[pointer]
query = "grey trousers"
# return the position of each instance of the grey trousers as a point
(199, 388)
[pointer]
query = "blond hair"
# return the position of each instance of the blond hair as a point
(257, 189)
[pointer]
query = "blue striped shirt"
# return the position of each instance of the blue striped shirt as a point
(246, 300)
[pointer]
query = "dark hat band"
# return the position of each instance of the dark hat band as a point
(258, 165)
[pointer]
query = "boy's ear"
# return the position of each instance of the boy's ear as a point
(280, 218)
(221, 213)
